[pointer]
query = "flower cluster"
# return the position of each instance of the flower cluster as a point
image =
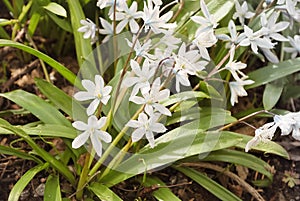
(156, 64)
(289, 123)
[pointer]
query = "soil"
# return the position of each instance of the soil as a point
(19, 74)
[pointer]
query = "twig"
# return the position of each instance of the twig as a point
(226, 172)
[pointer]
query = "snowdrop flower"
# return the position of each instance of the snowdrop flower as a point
(141, 50)
(272, 28)
(295, 43)
(234, 38)
(205, 40)
(237, 89)
(96, 92)
(170, 41)
(107, 30)
(153, 20)
(129, 16)
(262, 134)
(254, 40)
(242, 12)
(235, 67)
(208, 22)
(93, 131)
(289, 123)
(146, 126)
(88, 28)
(141, 81)
(152, 97)
(292, 10)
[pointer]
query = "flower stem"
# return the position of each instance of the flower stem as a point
(83, 176)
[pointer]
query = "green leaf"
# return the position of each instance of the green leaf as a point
(241, 158)
(46, 130)
(162, 193)
(56, 9)
(34, 21)
(52, 189)
(182, 96)
(271, 95)
(66, 73)
(273, 72)
(14, 152)
(177, 144)
(24, 180)
(61, 99)
(209, 184)
(37, 106)
(58, 165)
(62, 23)
(103, 192)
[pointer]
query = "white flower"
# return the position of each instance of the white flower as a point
(289, 123)
(88, 28)
(234, 38)
(242, 12)
(141, 81)
(146, 126)
(237, 89)
(141, 50)
(254, 40)
(205, 40)
(235, 67)
(208, 22)
(96, 92)
(262, 134)
(186, 62)
(152, 98)
(129, 15)
(153, 20)
(295, 43)
(91, 130)
(110, 3)
(108, 29)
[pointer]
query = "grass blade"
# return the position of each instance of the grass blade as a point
(14, 152)
(24, 180)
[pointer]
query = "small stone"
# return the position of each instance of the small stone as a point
(39, 191)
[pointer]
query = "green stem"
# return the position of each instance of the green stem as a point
(83, 177)
(112, 145)
(20, 18)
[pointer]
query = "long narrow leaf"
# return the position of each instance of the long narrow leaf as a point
(52, 189)
(66, 73)
(103, 192)
(37, 106)
(209, 184)
(59, 166)
(61, 99)
(14, 152)
(24, 180)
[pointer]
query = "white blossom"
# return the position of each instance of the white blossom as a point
(242, 12)
(88, 28)
(108, 29)
(208, 22)
(96, 92)
(141, 50)
(255, 40)
(235, 67)
(234, 38)
(237, 89)
(289, 123)
(129, 15)
(146, 126)
(152, 97)
(142, 78)
(110, 3)
(93, 131)
(205, 40)
(262, 134)
(153, 20)
(295, 43)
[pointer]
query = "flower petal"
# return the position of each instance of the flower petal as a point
(80, 139)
